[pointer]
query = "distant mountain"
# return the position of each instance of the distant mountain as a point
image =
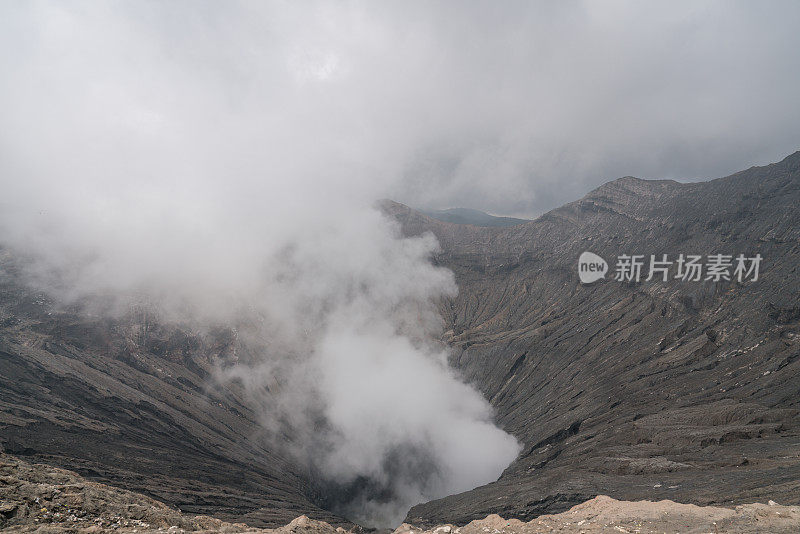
(655, 390)
(473, 217)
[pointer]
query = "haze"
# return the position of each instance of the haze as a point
(514, 110)
(220, 161)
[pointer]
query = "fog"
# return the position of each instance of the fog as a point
(221, 160)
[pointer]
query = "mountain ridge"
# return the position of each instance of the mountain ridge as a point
(472, 217)
(656, 390)
(580, 361)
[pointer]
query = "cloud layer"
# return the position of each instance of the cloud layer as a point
(222, 158)
(436, 104)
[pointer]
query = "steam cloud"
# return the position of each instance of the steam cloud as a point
(221, 159)
(223, 189)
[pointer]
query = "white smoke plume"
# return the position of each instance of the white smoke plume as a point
(212, 166)
(220, 160)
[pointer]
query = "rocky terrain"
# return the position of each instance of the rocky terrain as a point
(44, 499)
(133, 403)
(685, 391)
(652, 390)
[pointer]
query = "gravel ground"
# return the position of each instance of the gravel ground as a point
(45, 499)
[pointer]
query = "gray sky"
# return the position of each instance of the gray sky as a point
(514, 108)
(219, 159)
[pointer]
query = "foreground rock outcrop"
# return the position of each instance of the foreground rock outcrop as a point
(44, 499)
(604, 514)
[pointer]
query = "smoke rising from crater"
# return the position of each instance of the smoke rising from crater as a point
(190, 158)
(221, 159)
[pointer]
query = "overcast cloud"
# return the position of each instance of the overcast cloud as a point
(220, 159)
(515, 110)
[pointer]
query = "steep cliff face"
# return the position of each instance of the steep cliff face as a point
(678, 389)
(659, 390)
(132, 403)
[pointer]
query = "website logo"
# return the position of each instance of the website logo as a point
(684, 267)
(591, 267)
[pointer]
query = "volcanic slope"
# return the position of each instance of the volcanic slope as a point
(652, 390)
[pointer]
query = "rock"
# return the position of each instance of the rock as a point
(599, 514)
(670, 382)
(301, 521)
(611, 388)
(84, 393)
